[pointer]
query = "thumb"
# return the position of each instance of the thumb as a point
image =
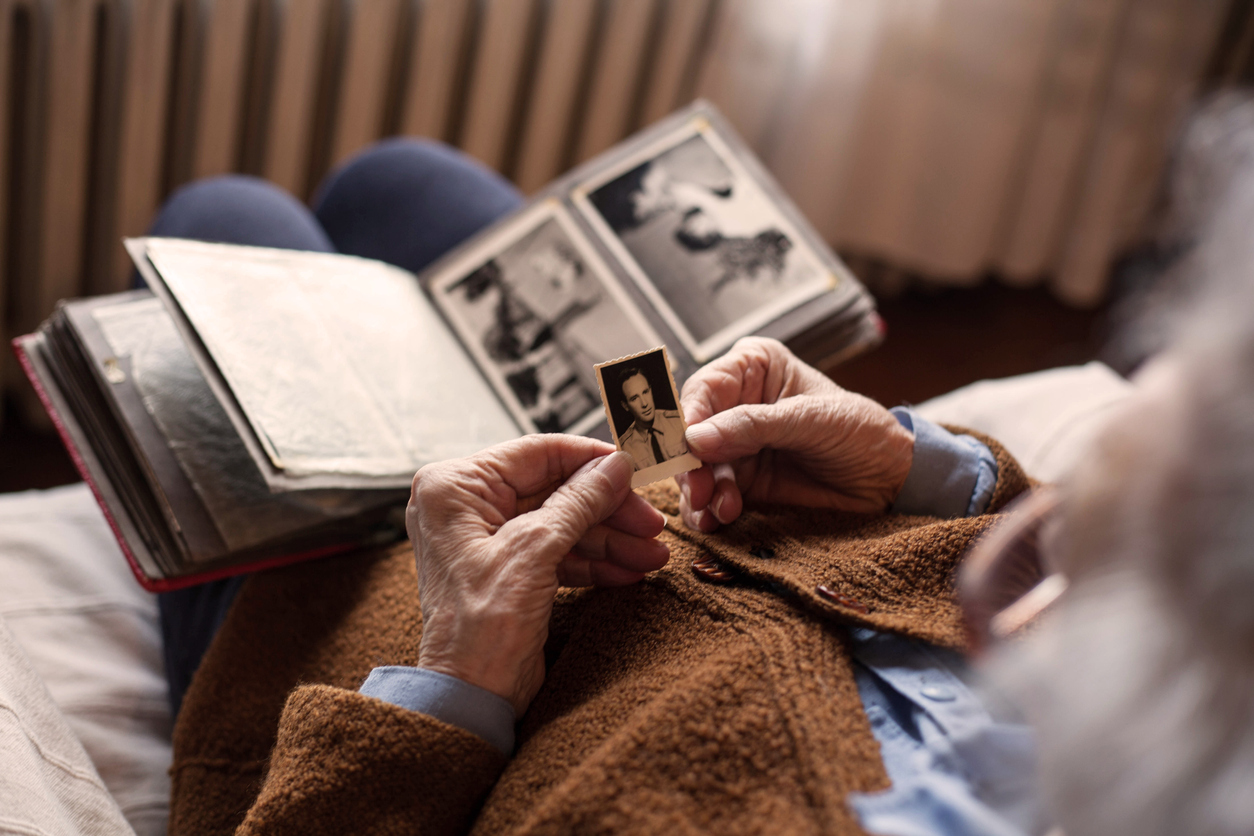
(750, 428)
(590, 495)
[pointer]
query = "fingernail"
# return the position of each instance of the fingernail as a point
(617, 467)
(701, 435)
(706, 521)
(717, 507)
(685, 492)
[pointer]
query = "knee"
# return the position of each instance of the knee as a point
(405, 153)
(208, 200)
(406, 201)
(239, 209)
(227, 187)
(413, 161)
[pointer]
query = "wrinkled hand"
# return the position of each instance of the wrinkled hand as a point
(496, 533)
(772, 429)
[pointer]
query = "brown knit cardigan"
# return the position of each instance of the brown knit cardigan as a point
(679, 705)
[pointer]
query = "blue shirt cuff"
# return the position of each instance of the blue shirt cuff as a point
(952, 475)
(447, 699)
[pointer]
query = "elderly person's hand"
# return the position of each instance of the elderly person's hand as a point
(494, 536)
(770, 428)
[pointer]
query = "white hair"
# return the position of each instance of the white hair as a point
(1141, 683)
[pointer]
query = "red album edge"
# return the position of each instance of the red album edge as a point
(153, 584)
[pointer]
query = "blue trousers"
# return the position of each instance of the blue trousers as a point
(403, 201)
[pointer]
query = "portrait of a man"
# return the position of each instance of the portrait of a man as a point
(655, 435)
(642, 405)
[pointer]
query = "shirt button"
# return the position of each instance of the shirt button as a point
(938, 693)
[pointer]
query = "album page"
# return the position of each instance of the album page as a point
(676, 237)
(339, 365)
(537, 308)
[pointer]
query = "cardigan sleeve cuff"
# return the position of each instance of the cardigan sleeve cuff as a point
(446, 698)
(952, 475)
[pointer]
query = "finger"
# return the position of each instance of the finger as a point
(696, 487)
(587, 498)
(795, 424)
(498, 483)
(745, 374)
(637, 517)
(727, 503)
(578, 572)
(638, 554)
(698, 520)
(755, 370)
(538, 463)
(710, 496)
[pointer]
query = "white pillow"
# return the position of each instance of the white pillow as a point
(1045, 419)
(92, 634)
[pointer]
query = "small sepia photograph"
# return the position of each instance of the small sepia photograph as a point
(642, 405)
(536, 307)
(702, 238)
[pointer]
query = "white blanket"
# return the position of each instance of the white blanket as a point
(48, 784)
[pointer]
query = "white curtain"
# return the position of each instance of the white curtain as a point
(960, 137)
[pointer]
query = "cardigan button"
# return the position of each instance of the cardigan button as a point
(839, 598)
(711, 570)
(764, 552)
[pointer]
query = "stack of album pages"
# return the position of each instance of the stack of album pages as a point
(257, 406)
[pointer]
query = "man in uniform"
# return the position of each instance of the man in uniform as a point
(655, 435)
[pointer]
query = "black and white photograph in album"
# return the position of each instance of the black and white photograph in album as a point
(698, 231)
(537, 313)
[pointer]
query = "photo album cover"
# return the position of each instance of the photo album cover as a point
(255, 406)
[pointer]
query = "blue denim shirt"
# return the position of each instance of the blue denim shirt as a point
(955, 767)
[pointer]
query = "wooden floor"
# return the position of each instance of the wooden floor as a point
(937, 341)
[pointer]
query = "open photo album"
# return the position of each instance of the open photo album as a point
(255, 407)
